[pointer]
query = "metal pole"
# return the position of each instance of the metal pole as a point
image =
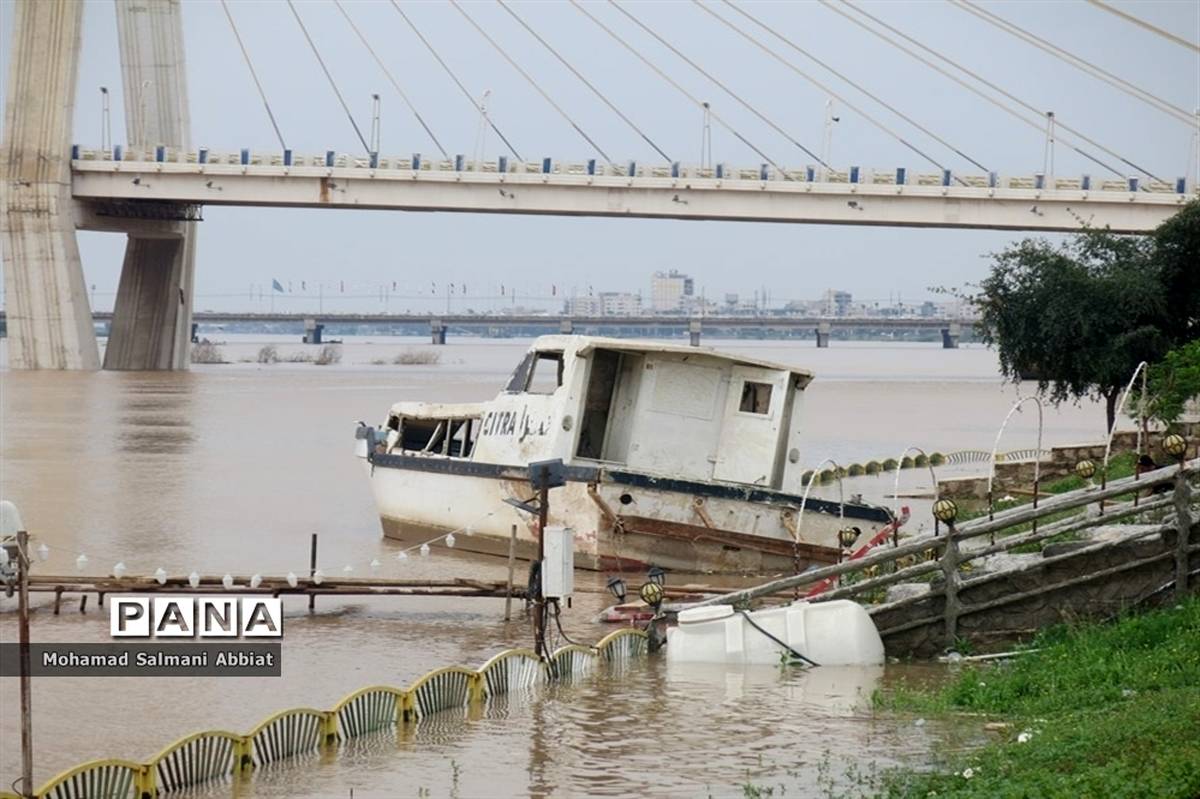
(23, 654)
(105, 127)
(312, 570)
(375, 125)
(512, 558)
(540, 607)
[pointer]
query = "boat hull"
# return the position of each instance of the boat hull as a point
(620, 521)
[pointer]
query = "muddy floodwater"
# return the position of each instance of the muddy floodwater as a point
(231, 467)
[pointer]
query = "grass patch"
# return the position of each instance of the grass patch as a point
(207, 352)
(417, 358)
(1107, 710)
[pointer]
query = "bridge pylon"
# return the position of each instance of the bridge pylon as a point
(152, 316)
(49, 320)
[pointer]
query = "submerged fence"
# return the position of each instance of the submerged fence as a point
(217, 754)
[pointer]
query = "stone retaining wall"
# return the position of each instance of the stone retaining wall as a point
(999, 628)
(1059, 463)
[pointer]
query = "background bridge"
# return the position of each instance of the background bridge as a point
(153, 188)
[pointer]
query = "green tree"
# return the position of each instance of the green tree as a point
(1080, 316)
(1173, 382)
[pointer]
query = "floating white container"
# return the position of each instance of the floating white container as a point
(835, 633)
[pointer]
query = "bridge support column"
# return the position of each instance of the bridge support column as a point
(951, 335)
(437, 331)
(312, 331)
(694, 327)
(152, 317)
(823, 330)
(566, 327)
(49, 321)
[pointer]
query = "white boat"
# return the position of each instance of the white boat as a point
(675, 456)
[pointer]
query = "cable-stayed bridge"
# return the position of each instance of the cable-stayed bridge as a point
(154, 187)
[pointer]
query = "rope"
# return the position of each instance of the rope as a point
(585, 81)
(712, 114)
(246, 55)
(788, 647)
(873, 96)
(1141, 23)
(457, 82)
(718, 83)
(390, 77)
(1037, 123)
(530, 80)
(1076, 61)
(329, 77)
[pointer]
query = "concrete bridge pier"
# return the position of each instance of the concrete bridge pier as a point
(312, 331)
(566, 327)
(823, 330)
(951, 335)
(152, 317)
(49, 320)
(694, 327)
(437, 331)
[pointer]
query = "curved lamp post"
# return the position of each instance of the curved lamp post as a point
(896, 487)
(804, 502)
(1112, 430)
(1037, 461)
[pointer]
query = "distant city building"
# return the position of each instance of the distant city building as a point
(605, 303)
(667, 290)
(836, 303)
(620, 303)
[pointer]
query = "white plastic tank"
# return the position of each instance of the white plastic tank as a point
(835, 633)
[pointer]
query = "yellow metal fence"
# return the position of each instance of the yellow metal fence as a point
(215, 754)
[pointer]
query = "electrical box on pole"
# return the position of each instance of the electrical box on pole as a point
(558, 563)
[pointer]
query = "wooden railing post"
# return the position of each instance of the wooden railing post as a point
(952, 607)
(1183, 523)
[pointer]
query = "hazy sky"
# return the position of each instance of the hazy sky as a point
(239, 247)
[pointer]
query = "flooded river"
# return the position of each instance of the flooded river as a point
(229, 468)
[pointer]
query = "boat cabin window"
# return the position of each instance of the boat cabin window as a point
(546, 374)
(756, 397)
(452, 437)
(537, 373)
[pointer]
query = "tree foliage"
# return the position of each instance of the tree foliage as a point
(1173, 382)
(1079, 317)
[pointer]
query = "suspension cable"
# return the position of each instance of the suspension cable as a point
(1075, 61)
(246, 55)
(778, 129)
(790, 43)
(390, 77)
(585, 81)
(446, 67)
(329, 77)
(1036, 123)
(1141, 23)
(700, 103)
(530, 80)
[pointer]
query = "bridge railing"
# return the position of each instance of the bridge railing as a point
(947, 557)
(204, 757)
(763, 173)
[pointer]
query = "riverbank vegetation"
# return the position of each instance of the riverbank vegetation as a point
(1079, 317)
(1102, 710)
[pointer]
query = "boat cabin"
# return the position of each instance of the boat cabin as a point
(679, 412)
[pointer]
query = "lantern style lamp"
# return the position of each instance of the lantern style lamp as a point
(847, 536)
(1085, 469)
(1175, 445)
(652, 594)
(616, 587)
(657, 575)
(945, 510)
